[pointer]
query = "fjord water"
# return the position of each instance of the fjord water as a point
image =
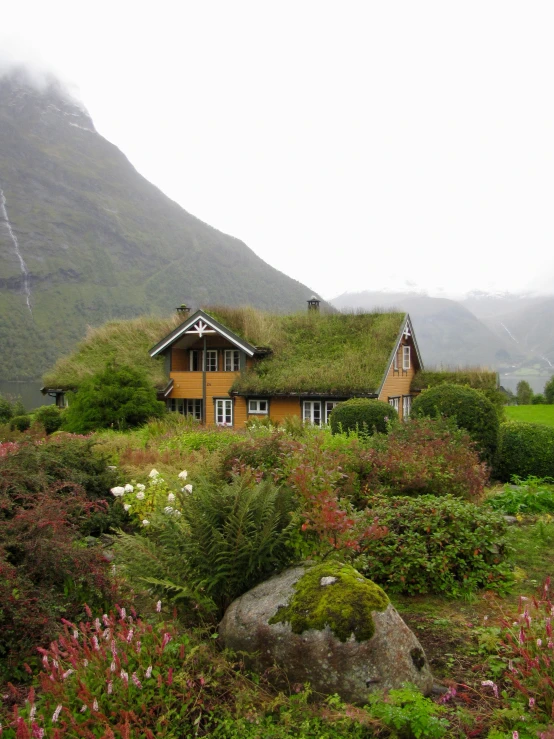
(28, 392)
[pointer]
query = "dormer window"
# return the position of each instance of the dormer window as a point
(232, 360)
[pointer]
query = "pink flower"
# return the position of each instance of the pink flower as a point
(136, 680)
(95, 644)
(490, 684)
(106, 620)
(56, 714)
(110, 687)
(124, 677)
(531, 702)
(539, 642)
(137, 647)
(36, 731)
(148, 672)
(515, 735)
(95, 705)
(130, 635)
(166, 640)
(159, 606)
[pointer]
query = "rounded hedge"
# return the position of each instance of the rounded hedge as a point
(361, 414)
(525, 449)
(470, 409)
(50, 416)
(21, 423)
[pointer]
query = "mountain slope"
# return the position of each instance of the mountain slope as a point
(447, 333)
(85, 238)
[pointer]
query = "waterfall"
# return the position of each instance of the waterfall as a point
(13, 237)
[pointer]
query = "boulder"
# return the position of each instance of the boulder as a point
(330, 626)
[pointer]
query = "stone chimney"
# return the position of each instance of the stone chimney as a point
(313, 303)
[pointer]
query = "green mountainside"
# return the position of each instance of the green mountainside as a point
(84, 238)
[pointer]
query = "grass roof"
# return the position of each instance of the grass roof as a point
(121, 342)
(478, 378)
(312, 352)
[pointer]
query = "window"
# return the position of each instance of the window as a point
(188, 407)
(196, 361)
(396, 361)
(311, 412)
(406, 406)
(258, 406)
(329, 405)
(223, 412)
(405, 357)
(232, 360)
(395, 402)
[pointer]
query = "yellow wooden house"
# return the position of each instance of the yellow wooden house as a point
(228, 365)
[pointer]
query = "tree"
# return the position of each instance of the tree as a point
(524, 393)
(118, 397)
(6, 410)
(549, 390)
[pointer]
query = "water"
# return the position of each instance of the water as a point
(24, 271)
(28, 392)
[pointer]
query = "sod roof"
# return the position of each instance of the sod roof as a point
(314, 353)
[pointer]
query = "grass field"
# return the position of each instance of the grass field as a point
(531, 413)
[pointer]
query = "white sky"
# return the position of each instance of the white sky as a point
(352, 145)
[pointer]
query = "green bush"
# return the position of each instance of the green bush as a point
(534, 495)
(362, 414)
(435, 545)
(549, 391)
(469, 408)
(525, 449)
(538, 399)
(6, 410)
(49, 416)
(117, 397)
(20, 423)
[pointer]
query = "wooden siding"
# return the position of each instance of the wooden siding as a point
(189, 385)
(397, 382)
(240, 415)
(281, 408)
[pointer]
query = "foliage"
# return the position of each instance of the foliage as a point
(478, 378)
(423, 457)
(6, 410)
(408, 713)
(549, 391)
(20, 423)
(470, 409)
(346, 610)
(216, 543)
(362, 414)
(435, 545)
(538, 399)
(525, 449)
(50, 417)
(118, 396)
(524, 393)
(44, 572)
(338, 353)
(529, 496)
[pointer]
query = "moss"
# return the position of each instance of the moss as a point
(345, 605)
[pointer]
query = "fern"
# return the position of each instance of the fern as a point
(228, 538)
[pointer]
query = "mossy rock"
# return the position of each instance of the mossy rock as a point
(334, 595)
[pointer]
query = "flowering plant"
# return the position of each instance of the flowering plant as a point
(144, 500)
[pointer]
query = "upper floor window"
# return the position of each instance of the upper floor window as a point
(405, 357)
(232, 360)
(196, 360)
(258, 406)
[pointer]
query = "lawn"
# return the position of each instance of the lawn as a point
(531, 413)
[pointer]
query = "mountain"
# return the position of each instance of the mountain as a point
(85, 238)
(447, 333)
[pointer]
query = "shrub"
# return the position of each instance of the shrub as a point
(44, 575)
(469, 408)
(20, 423)
(549, 390)
(525, 449)
(50, 416)
(538, 399)
(433, 545)
(423, 457)
(119, 397)
(6, 410)
(361, 414)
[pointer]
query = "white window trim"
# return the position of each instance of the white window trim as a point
(406, 406)
(226, 403)
(395, 403)
(328, 406)
(229, 353)
(200, 353)
(310, 405)
(256, 410)
(405, 357)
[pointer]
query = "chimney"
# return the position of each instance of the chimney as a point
(313, 303)
(182, 310)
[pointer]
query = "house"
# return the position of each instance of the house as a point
(228, 365)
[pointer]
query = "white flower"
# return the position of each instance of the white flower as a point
(187, 488)
(140, 486)
(129, 488)
(168, 509)
(183, 475)
(56, 713)
(170, 498)
(140, 495)
(95, 705)
(126, 506)
(153, 473)
(118, 491)
(159, 606)
(145, 522)
(148, 672)
(176, 512)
